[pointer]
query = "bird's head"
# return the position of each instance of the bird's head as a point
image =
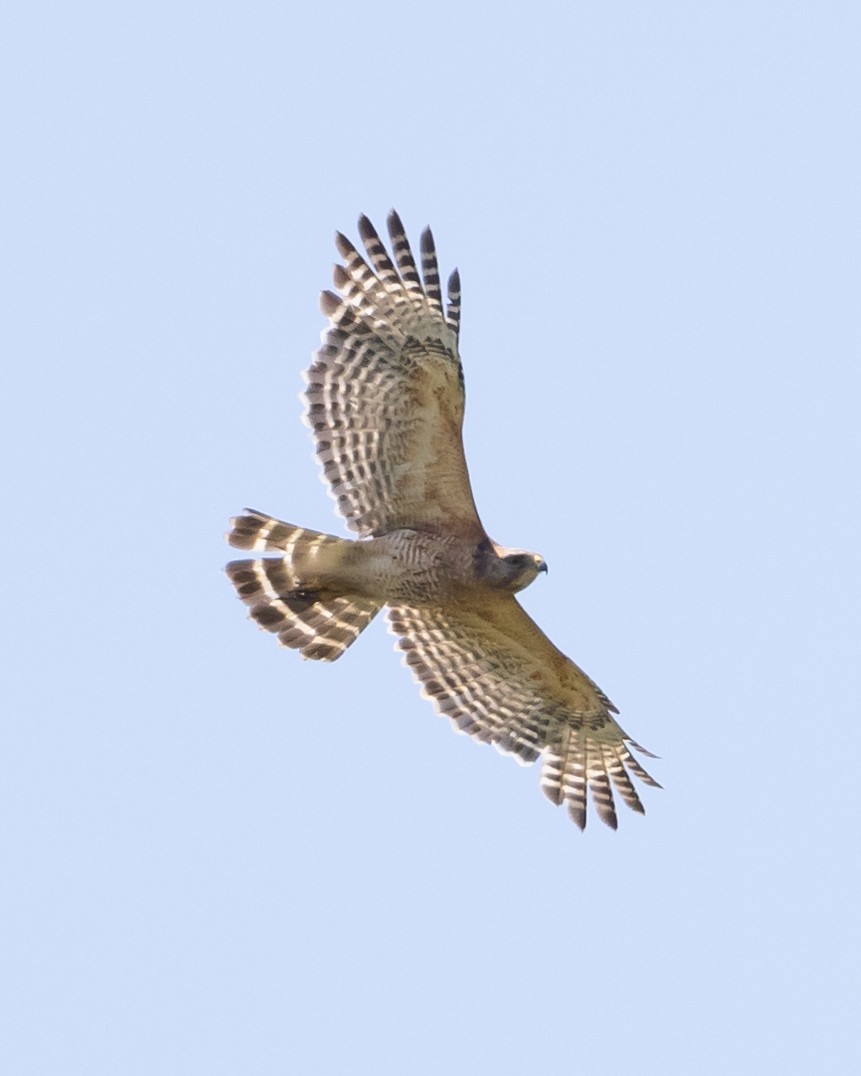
(521, 567)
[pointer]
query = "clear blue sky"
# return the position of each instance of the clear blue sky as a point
(219, 859)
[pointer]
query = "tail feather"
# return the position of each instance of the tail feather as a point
(287, 595)
(260, 533)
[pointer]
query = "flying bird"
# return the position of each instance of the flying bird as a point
(385, 403)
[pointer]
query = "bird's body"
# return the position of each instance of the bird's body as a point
(402, 566)
(385, 402)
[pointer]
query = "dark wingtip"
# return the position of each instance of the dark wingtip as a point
(344, 245)
(395, 224)
(329, 303)
(639, 747)
(578, 817)
(366, 229)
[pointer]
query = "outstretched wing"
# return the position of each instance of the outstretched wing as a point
(385, 392)
(489, 668)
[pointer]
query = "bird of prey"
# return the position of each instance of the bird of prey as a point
(385, 403)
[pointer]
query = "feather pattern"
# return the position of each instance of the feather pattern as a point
(496, 676)
(384, 395)
(284, 595)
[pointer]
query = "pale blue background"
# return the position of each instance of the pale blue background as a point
(220, 859)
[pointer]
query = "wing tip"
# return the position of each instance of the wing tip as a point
(366, 229)
(330, 303)
(639, 747)
(578, 816)
(345, 247)
(394, 223)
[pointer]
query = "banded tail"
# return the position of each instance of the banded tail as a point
(292, 595)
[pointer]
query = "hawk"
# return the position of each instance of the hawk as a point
(385, 403)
